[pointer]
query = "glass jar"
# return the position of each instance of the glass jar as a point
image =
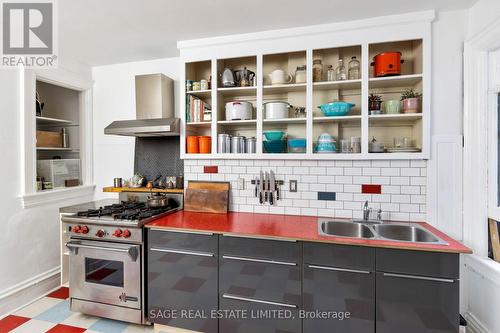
(317, 70)
(300, 74)
(354, 72)
(330, 74)
(340, 71)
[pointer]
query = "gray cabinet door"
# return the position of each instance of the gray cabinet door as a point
(334, 292)
(263, 278)
(416, 304)
(182, 276)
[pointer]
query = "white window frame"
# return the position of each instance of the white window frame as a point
(493, 136)
(60, 77)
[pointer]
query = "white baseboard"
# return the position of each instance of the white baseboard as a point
(27, 291)
(474, 325)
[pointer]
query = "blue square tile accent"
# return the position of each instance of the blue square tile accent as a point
(330, 196)
(108, 326)
(56, 314)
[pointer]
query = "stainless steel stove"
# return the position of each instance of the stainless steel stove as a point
(106, 265)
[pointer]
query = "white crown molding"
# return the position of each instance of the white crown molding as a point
(380, 21)
(56, 195)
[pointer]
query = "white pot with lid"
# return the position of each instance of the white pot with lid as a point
(239, 110)
(277, 110)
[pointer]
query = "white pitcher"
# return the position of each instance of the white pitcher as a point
(279, 76)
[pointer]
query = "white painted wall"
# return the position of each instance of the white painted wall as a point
(114, 99)
(29, 241)
(480, 275)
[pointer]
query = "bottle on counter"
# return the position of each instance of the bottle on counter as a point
(354, 72)
(340, 71)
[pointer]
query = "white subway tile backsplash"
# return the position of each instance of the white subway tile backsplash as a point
(352, 171)
(300, 170)
(403, 186)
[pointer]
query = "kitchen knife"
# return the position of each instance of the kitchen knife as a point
(272, 188)
(261, 186)
(266, 193)
(256, 187)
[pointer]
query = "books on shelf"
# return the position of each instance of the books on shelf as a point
(195, 108)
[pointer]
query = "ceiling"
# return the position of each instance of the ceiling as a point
(96, 32)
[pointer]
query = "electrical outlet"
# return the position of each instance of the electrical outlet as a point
(293, 186)
(241, 183)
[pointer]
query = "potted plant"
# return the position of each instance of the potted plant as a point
(374, 104)
(411, 101)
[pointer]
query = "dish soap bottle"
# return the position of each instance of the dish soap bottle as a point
(353, 72)
(340, 71)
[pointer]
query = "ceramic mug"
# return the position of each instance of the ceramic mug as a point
(392, 106)
(279, 76)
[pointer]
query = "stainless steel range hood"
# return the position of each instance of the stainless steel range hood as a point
(154, 109)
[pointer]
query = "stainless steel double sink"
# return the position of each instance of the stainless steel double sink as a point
(398, 232)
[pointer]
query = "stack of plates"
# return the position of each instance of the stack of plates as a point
(403, 150)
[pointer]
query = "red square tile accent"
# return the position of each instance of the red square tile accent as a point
(371, 189)
(61, 293)
(211, 169)
(60, 328)
(10, 322)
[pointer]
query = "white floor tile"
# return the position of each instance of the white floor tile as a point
(37, 307)
(33, 326)
(80, 320)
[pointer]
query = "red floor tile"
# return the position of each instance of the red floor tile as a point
(10, 322)
(61, 293)
(60, 328)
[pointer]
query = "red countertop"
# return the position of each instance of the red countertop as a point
(304, 228)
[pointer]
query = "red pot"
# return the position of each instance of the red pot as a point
(387, 63)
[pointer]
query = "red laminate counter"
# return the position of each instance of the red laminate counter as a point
(304, 228)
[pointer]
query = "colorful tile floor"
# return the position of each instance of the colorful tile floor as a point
(51, 314)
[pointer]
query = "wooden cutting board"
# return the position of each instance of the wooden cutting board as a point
(198, 184)
(206, 200)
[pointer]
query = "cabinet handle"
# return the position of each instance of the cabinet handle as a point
(261, 261)
(262, 237)
(254, 300)
(338, 269)
(192, 253)
(416, 277)
(183, 231)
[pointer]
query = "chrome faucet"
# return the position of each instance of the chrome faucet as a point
(366, 211)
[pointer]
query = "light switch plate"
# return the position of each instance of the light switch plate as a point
(293, 186)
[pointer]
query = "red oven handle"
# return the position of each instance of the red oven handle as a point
(132, 251)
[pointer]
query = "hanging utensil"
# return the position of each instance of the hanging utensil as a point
(261, 186)
(272, 188)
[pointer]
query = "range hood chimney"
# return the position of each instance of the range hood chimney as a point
(154, 109)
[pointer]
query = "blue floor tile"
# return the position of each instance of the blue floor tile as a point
(57, 313)
(108, 326)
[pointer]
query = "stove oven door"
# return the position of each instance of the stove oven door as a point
(105, 272)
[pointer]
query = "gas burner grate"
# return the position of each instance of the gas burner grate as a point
(112, 209)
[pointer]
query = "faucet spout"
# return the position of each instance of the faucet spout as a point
(366, 211)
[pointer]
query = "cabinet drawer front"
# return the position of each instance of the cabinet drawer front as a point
(274, 282)
(204, 243)
(343, 256)
(339, 291)
(418, 263)
(416, 305)
(279, 318)
(182, 282)
(260, 248)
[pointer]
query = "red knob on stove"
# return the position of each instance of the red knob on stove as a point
(126, 233)
(84, 230)
(117, 233)
(76, 229)
(100, 233)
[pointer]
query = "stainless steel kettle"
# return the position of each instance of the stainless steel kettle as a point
(228, 79)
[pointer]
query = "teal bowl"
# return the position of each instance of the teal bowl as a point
(274, 146)
(274, 135)
(336, 109)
